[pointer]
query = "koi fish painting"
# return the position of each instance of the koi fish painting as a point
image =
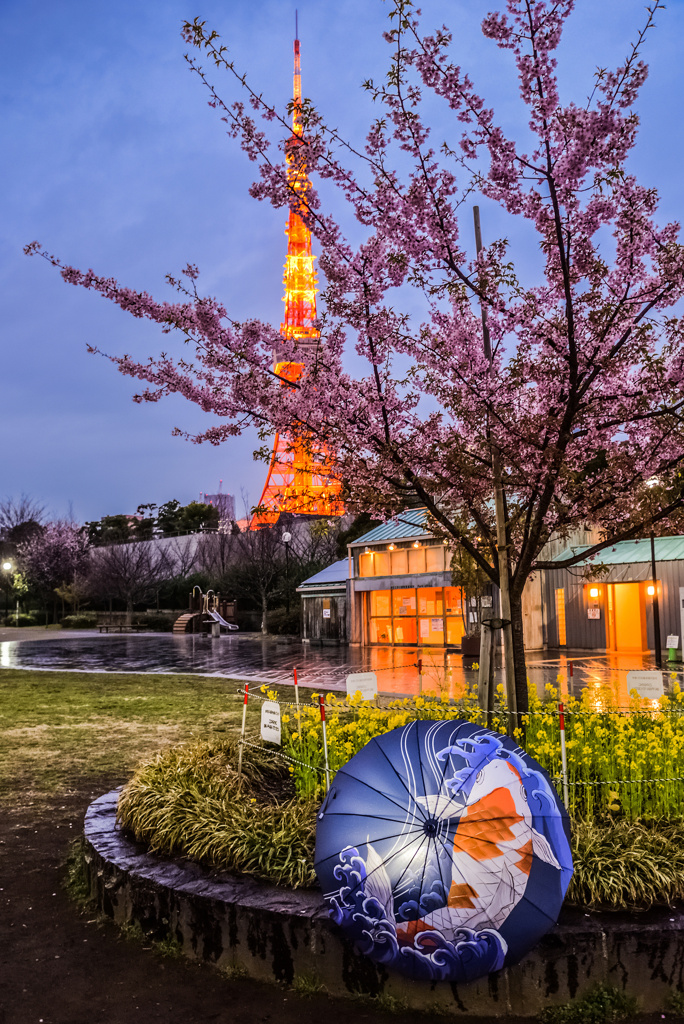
(443, 850)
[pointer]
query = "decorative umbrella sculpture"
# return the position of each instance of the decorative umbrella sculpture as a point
(443, 850)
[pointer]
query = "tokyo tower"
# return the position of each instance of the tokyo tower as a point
(299, 479)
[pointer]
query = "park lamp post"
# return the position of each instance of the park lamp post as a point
(287, 537)
(7, 569)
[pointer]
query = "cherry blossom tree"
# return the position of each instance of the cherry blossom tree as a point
(519, 403)
(53, 557)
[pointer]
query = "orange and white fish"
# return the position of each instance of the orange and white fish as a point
(493, 850)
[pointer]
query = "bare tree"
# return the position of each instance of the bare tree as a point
(253, 565)
(129, 572)
(216, 554)
(20, 518)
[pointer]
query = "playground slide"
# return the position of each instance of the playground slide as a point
(218, 618)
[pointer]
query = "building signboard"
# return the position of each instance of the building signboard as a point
(648, 684)
(364, 682)
(270, 722)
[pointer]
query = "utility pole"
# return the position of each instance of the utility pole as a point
(501, 533)
(657, 641)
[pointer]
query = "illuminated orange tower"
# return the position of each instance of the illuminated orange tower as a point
(299, 479)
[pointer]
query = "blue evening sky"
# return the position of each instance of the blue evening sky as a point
(112, 159)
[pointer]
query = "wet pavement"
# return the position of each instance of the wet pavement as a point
(400, 671)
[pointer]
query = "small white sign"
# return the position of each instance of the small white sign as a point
(425, 627)
(437, 625)
(593, 613)
(366, 682)
(270, 722)
(672, 641)
(326, 613)
(648, 684)
(486, 601)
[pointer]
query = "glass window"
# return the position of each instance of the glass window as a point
(430, 601)
(381, 631)
(416, 559)
(432, 630)
(366, 567)
(380, 602)
(434, 559)
(399, 562)
(382, 563)
(454, 629)
(405, 631)
(453, 598)
(404, 602)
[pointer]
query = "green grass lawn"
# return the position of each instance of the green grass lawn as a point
(58, 730)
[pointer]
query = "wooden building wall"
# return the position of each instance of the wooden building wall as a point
(316, 626)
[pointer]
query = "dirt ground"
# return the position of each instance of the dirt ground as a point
(60, 964)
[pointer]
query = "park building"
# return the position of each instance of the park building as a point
(615, 610)
(395, 589)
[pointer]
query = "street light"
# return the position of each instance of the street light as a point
(7, 569)
(287, 537)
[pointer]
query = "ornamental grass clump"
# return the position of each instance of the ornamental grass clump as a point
(189, 801)
(627, 864)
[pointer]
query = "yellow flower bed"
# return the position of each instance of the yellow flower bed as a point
(620, 760)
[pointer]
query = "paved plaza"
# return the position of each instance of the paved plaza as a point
(400, 671)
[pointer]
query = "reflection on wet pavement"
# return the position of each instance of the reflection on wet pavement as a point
(401, 671)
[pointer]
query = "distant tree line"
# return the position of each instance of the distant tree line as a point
(167, 520)
(60, 569)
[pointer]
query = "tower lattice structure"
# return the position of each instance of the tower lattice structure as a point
(299, 479)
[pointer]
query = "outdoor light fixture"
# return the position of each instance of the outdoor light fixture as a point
(650, 590)
(416, 544)
(593, 592)
(391, 547)
(7, 566)
(366, 551)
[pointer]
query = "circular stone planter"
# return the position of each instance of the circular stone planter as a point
(275, 934)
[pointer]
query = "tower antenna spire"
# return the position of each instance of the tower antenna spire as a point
(296, 23)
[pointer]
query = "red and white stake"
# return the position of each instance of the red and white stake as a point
(242, 734)
(564, 756)
(420, 675)
(299, 721)
(321, 704)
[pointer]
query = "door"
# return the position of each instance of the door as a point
(629, 632)
(560, 616)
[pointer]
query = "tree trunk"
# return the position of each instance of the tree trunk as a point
(264, 614)
(129, 611)
(519, 656)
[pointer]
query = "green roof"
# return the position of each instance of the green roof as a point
(624, 552)
(404, 526)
